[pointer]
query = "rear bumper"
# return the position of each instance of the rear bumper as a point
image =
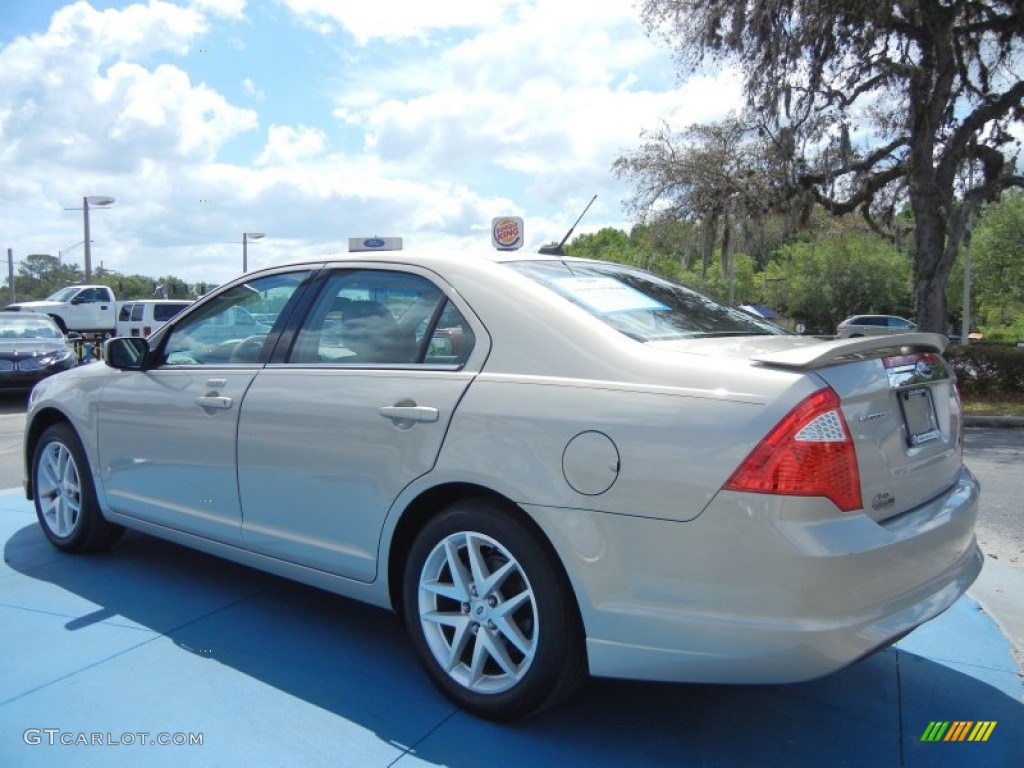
(761, 589)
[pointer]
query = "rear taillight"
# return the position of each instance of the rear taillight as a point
(808, 453)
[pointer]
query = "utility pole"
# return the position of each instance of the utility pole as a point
(965, 319)
(10, 275)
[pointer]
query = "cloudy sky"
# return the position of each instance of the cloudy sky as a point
(317, 120)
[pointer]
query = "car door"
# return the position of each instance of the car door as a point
(354, 412)
(167, 434)
(88, 309)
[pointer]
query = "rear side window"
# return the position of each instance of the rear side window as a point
(451, 340)
(164, 312)
(382, 317)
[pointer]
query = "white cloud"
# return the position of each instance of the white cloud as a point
(62, 103)
(251, 90)
(549, 92)
(287, 145)
(133, 32)
(229, 9)
(444, 115)
(396, 19)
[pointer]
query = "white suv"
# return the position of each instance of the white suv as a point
(873, 325)
(143, 317)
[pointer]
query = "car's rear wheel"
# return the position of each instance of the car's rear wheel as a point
(65, 497)
(491, 613)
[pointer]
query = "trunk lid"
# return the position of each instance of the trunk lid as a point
(902, 408)
(898, 397)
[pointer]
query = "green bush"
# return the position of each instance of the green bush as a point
(983, 369)
(1007, 334)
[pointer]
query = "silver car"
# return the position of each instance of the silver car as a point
(873, 325)
(547, 466)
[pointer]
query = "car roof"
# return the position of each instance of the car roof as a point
(458, 259)
(26, 313)
(158, 301)
(854, 317)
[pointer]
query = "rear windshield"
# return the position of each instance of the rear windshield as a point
(641, 305)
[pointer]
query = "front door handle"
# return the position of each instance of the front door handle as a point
(213, 401)
(409, 412)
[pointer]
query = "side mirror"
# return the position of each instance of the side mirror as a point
(78, 300)
(126, 353)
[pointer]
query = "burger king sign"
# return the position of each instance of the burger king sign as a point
(507, 233)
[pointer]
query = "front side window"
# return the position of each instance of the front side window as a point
(641, 305)
(224, 329)
(64, 294)
(92, 295)
(381, 317)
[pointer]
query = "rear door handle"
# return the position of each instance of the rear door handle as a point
(213, 401)
(409, 412)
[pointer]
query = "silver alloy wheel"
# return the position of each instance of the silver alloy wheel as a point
(478, 612)
(59, 489)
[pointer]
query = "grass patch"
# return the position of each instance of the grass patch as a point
(995, 404)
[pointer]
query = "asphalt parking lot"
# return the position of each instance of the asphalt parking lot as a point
(106, 657)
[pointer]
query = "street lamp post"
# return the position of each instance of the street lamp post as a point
(246, 237)
(96, 201)
(62, 251)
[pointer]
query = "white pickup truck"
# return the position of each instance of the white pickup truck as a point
(88, 309)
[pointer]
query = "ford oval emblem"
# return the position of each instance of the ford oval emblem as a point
(923, 369)
(373, 242)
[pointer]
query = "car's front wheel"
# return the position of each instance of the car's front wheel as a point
(491, 613)
(65, 498)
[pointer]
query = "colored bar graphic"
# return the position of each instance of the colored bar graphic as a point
(982, 730)
(958, 730)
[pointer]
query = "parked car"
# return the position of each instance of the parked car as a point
(89, 309)
(873, 325)
(143, 317)
(547, 466)
(31, 348)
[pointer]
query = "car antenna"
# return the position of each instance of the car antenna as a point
(556, 250)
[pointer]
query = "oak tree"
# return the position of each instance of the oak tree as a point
(877, 105)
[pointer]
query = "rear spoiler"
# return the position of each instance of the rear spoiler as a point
(832, 351)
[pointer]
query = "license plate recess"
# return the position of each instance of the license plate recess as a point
(919, 416)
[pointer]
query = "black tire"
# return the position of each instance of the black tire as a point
(527, 617)
(60, 323)
(65, 497)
